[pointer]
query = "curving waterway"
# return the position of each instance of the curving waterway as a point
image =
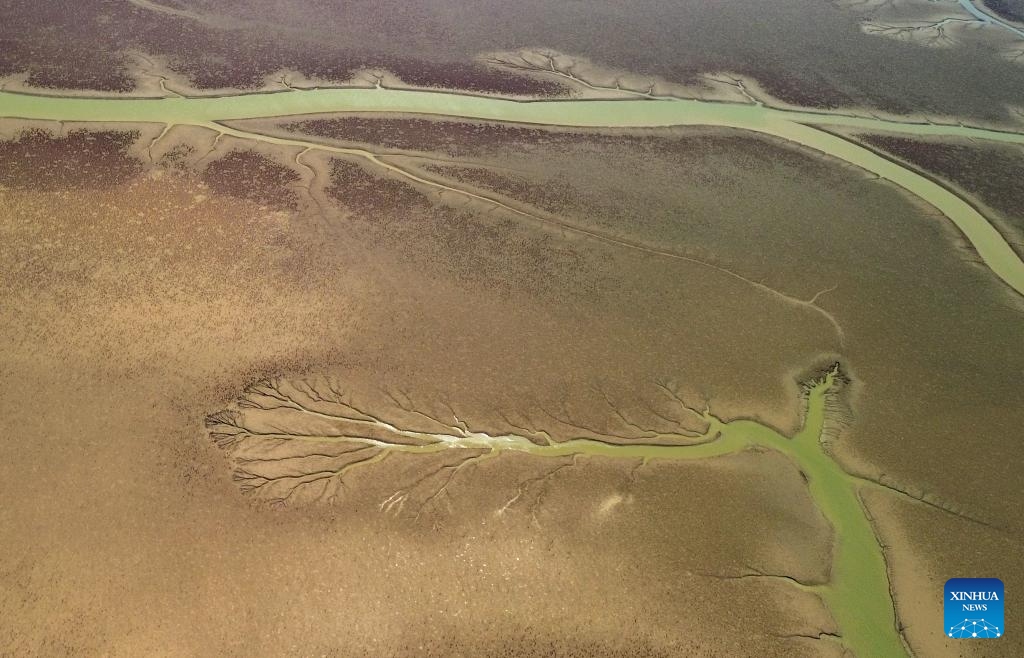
(857, 590)
(989, 19)
(795, 126)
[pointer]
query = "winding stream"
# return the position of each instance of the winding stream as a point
(989, 19)
(312, 420)
(791, 125)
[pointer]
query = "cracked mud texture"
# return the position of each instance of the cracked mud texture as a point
(824, 60)
(990, 172)
(142, 306)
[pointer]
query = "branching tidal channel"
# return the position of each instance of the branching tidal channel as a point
(294, 441)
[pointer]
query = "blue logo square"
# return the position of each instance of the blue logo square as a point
(973, 608)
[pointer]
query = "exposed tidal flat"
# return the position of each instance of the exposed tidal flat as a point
(911, 301)
(314, 418)
(241, 293)
(893, 307)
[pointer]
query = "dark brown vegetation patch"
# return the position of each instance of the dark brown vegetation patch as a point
(452, 138)
(255, 177)
(88, 49)
(469, 77)
(40, 160)
(458, 138)
(1009, 9)
(554, 197)
(813, 91)
(371, 195)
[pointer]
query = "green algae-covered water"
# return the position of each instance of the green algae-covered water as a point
(629, 113)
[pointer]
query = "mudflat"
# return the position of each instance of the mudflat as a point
(609, 346)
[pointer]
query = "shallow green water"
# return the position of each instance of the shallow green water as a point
(794, 126)
(857, 592)
(639, 113)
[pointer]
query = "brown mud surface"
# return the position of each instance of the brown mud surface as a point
(143, 302)
(143, 305)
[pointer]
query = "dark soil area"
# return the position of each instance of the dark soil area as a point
(457, 138)
(255, 177)
(86, 49)
(372, 195)
(1009, 9)
(40, 160)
